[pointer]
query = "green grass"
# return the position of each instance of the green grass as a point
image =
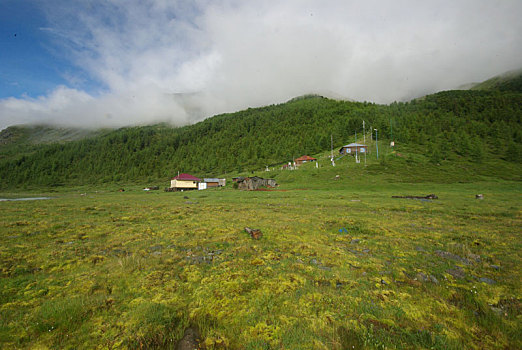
(135, 269)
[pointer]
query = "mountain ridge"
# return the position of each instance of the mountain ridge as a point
(450, 126)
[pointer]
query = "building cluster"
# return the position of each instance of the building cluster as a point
(184, 182)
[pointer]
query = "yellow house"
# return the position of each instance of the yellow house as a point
(184, 182)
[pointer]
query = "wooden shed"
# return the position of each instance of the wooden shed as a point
(353, 149)
(215, 182)
(304, 159)
(254, 183)
(184, 182)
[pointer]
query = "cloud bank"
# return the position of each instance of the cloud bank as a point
(182, 61)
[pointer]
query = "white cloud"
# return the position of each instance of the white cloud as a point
(227, 55)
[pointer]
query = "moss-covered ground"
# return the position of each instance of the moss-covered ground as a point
(340, 265)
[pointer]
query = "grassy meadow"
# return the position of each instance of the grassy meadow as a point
(340, 265)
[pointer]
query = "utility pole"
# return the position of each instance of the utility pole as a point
(364, 134)
(331, 144)
(364, 142)
(376, 144)
(356, 153)
(391, 128)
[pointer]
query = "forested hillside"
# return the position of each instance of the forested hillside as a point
(447, 126)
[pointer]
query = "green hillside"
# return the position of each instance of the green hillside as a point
(510, 81)
(351, 257)
(441, 130)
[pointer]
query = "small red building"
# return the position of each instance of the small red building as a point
(304, 159)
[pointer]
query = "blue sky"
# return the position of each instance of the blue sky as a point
(94, 63)
(30, 63)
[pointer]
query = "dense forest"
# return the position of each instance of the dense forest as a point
(462, 124)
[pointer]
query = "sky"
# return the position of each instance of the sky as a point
(113, 63)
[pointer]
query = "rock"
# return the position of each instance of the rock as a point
(196, 259)
(421, 277)
(451, 256)
(487, 280)
(185, 197)
(434, 279)
(419, 249)
(475, 257)
(384, 282)
(479, 196)
(496, 267)
(314, 262)
(355, 241)
(190, 340)
(457, 272)
(429, 196)
(254, 233)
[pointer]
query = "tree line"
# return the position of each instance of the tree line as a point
(448, 125)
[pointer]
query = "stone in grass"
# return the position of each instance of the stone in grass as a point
(451, 256)
(421, 277)
(254, 232)
(457, 272)
(487, 280)
(190, 340)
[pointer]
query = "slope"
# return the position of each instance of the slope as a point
(446, 129)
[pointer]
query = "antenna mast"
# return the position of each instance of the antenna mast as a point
(331, 144)
(364, 134)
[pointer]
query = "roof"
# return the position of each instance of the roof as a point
(355, 145)
(186, 177)
(213, 179)
(306, 158)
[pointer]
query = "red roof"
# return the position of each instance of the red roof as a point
(306, 158)
(186, 177)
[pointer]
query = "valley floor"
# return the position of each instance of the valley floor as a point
(334, 269)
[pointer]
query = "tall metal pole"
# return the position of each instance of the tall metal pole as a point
(331, 143)
(364, 134)
(376, 143)
(356, 154)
